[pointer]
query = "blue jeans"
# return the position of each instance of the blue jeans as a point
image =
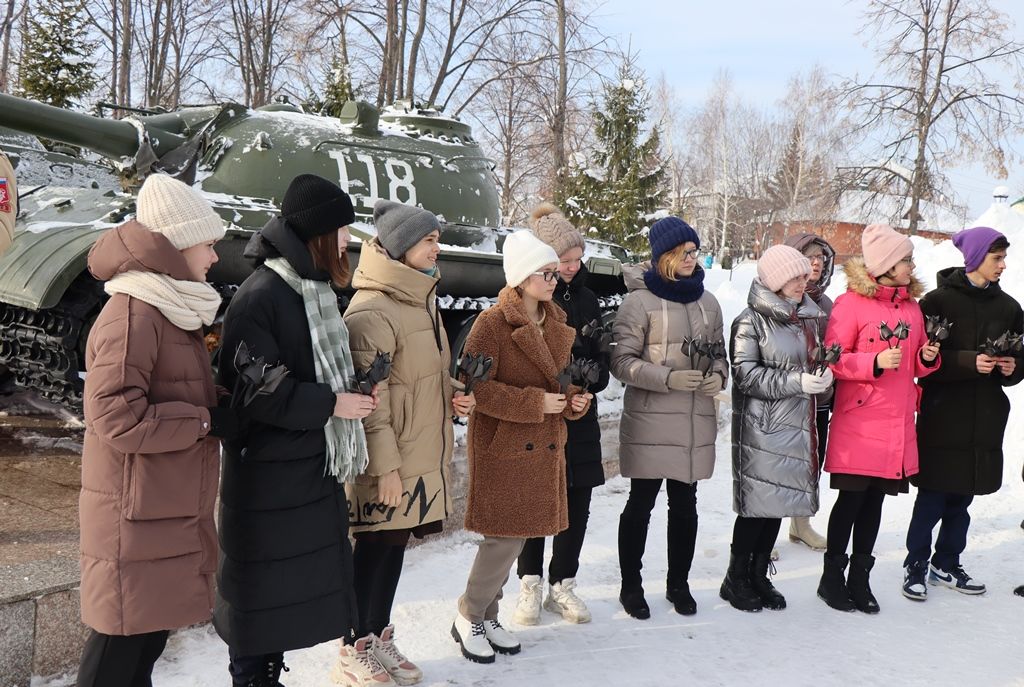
(930, 508)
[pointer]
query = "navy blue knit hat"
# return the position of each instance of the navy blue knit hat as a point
(667, 233)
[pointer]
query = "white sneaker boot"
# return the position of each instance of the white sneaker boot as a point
(501, 640)
(358, 667)
(562, 600)
(801, 532)
(528, 606)
(402, 670)
(472, 637)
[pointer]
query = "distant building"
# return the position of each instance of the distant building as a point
(858, 208)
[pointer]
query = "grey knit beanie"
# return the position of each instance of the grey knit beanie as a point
(400, 226)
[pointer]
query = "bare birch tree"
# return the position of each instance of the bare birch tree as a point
(947, 88)
(10, 12)
(255, 43)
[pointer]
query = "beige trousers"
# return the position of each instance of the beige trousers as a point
(487, 577)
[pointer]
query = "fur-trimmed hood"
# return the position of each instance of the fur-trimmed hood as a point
(859, 281)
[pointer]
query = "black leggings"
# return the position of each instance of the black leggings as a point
(682, 530)
(754, 535)
(566, 545)
(858, 513)
(377, 567)
(120, 660)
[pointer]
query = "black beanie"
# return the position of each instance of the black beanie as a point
(314, 206)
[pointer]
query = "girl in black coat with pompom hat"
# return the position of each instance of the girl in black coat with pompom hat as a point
(584, 469)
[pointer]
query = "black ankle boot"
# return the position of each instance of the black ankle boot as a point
(736, 587)
(832, 588)
(858, 583)
(634, 603)
(678, 593)
(268, 677)
(762, 584)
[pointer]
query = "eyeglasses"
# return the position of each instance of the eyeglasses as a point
(817, 257)
(909, 260)
(549, 275)
(693, 253)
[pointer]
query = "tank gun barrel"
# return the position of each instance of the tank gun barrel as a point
(109, 137)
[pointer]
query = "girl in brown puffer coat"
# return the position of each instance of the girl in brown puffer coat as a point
(150, 461)
(517, 483)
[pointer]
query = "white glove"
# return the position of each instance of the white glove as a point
(828, 376)
(813, 384)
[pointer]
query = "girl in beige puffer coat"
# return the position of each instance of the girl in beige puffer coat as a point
(668, 427)
(405, 488)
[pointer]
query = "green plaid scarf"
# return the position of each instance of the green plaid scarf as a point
(346, 441)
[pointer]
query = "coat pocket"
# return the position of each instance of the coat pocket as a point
(851, 396)
(165, 485)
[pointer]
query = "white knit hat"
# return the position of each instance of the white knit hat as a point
(523, 254)
(176, 210)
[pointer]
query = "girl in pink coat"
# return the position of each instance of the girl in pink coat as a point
(872, 443)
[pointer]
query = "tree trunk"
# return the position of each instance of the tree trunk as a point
(6, 27)
(414, 49)
(561, 96)
(124, 70)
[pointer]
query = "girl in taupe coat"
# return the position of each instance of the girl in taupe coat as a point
(405, 488)
(668, 427)
(150, 460)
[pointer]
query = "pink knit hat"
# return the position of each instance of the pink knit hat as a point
(779, 264)
(883, 247)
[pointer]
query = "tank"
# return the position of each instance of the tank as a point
(242, 159)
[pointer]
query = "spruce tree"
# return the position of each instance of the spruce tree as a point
(622, 186)
(337, 88)
(57, 68)
(799, 187)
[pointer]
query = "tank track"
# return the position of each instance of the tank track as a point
(44, 349)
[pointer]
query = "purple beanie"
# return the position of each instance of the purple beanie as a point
(974, 244)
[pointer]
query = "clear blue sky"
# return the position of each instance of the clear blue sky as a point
(763, 43)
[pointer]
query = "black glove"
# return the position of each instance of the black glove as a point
(226, 423)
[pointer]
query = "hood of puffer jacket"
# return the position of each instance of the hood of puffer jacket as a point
(766, 302)
(633, 275)
(132, 247)
(276, 239)
(379, 272)
(804, 239)
(859, 281)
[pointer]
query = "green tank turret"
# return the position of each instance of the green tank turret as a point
(243, 160)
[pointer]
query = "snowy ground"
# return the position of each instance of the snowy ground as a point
(949, 640)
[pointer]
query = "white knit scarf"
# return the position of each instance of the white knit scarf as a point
(187, 304)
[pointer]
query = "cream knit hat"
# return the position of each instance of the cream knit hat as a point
(779, 264)
(523, 254)
(176, 210)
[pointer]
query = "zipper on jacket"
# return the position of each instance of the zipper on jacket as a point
(445, 418)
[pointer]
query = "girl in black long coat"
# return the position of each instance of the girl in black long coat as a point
(584, 469)
(963, 412)
(285, 575)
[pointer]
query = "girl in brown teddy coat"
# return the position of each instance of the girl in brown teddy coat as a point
(517, 483)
